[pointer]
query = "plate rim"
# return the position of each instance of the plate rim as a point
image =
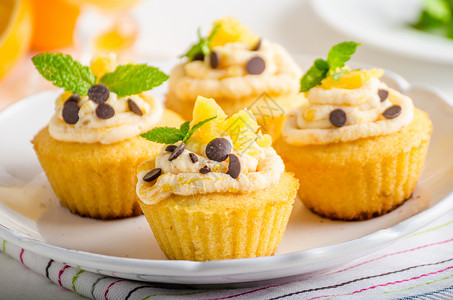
(319, 8)
(165, 270)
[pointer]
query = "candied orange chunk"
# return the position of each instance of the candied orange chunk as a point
(230, 31)
(206, 108)
(351, 80)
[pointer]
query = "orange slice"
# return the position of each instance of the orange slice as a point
(15, 32)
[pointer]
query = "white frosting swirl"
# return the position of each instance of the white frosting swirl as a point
(230, 79)
(182, 177)
(123, 125)
(310, 123)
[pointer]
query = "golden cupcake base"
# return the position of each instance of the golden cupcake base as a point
(223, 225)
(97, 180)
(361, 179)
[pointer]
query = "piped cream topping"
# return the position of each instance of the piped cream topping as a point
(231, 79)
(181, 176)
(310, 124)
(123, 125)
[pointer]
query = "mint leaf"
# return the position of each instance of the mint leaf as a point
(64, 72)
(340, 54)
(171, 135)
(195, 127)
(321, 64)
(131, 79)
(203, 46)
(163, 135)
(184, 128)
(436, 18)
(438, 9)
(312, 78)
(336, 58)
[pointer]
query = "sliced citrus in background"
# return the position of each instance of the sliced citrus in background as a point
(120, 36)
(54, 23)
(107, 5)
(15, 32)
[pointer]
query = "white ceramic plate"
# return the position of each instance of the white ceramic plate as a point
(31, 217)
(383, 24)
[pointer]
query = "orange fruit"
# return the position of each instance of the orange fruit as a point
(101, 64)
(230, 31)
(241, 127)
(206, 108)
(15, 32)
(351, 80)
(54, 23)
(107, 5)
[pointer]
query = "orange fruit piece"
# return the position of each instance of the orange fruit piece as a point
(101, 64)
(351, 80)
(206, 108)
(54, 24)
(230, 31)
(15, 32)
(242, 127)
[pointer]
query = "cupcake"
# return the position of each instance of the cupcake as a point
(238, 69)
(357, 146)
(91, 147)
(220, 199)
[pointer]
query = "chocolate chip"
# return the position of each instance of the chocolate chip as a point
(214, 59)
(218, 149)
(70, 112)
(257, 46)
(198, 56)
(99, 93)
(205, 170)
(74, 98)
(193, 157)
(152, 175)
(177, 152)
(337, 117)
(133, 107)
(104, 111)
(383, 95)
(234, 166)
(255, 65)
(170, 148)
(392, 112)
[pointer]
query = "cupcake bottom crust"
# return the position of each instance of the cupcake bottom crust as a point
(97, 180)
(223, 225)
(269, 110)
(361, 179)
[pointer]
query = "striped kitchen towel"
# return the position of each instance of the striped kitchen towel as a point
(419, 266)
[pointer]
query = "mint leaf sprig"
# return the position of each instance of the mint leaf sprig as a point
(336, 59)
(171, 135)
(132, 79)
(203, 47)
(436, 17)
(64, 72)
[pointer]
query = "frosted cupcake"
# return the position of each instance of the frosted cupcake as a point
(90, 150)
(217, 200)
(358, 146)
(238, 69)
